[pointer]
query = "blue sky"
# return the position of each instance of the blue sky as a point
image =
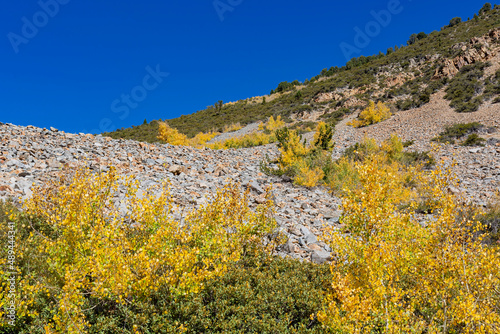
(95, 66)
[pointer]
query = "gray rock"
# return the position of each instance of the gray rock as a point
(255, 186)
(320, 257)
(53, 163)
(311, 239)
(175, 169)
(290, 247)
(302, 242)
(308, 236)
(304, 230)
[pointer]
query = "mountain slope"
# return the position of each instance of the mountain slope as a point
(405, 78)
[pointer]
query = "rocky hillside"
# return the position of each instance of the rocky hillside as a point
(31, 156)
(414, 80)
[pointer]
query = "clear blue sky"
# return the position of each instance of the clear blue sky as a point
(85, 66)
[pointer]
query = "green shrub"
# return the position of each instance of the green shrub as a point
(303, 127)
(286, 86)
(463, 90)
(336, 116)
(408, 143)
(473, 140)
(302, 108)
(454, 21)
(276, 296)
(419, 96)
(415, 158)
(486, 8)
(466, 107)
(492, 86)
(456, 131)
(491, 218)
(359, 151)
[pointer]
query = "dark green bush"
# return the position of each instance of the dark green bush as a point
(336, 116)
(465, 87)
(303, 127)
(465, 107)
(473, 140)
(419, 95)
(302, 108)
(276, 296)
(359, 151)
(486, 8)
(456, 131)
(492, 86)
(491, 218)
(415, 158)
(454, 21)
(408, 143)
(286, 86)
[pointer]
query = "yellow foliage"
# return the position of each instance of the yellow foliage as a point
(232, 127)
(393, 147)
(374, 113)
(308, 177)
(292, 152)
(248, 140)
(305, 162)
(393, 275)
(323, 137)
(201, 139)
(171, 136)
(272, 124)
(90, 249)
(343, 176)
(174, 137)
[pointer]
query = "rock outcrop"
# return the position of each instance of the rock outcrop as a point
(478, 49)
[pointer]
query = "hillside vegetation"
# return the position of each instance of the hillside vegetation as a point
(404, 76)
